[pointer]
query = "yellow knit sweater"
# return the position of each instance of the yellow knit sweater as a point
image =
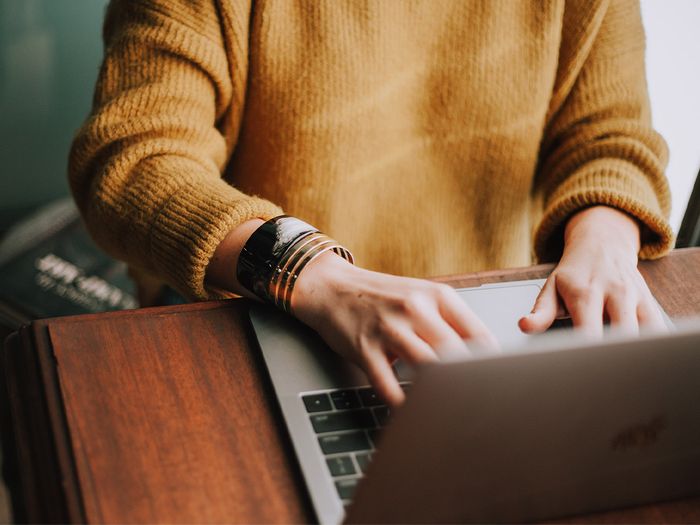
(427, 136)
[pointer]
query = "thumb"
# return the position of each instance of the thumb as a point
(545, 310)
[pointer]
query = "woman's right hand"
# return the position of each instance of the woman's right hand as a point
(369, 318)
(372, 318)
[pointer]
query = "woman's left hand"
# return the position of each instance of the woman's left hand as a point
(597, 277)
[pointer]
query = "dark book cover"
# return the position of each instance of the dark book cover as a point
(49, 266)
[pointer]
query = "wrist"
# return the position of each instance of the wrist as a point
(318, 283)
(219, 270)
(275, 255)
(603, 224)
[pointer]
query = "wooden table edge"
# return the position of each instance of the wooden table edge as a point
(49, 486)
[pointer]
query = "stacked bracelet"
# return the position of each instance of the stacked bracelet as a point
(275, 255)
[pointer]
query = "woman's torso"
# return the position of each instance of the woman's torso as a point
(409, 131)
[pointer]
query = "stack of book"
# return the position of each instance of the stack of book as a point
(49, 266)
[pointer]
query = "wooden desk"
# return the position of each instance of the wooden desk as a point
(165, 414)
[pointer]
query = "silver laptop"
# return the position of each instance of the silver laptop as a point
(335, 421)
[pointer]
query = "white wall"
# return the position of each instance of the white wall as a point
(673, 72)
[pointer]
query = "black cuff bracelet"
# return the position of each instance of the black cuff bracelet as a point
(276, 253)
(265, 248)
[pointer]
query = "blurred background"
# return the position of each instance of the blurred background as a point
(49, 57)
(50, 53)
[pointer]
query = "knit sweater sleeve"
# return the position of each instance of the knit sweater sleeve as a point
(145, 168)
(599, 146)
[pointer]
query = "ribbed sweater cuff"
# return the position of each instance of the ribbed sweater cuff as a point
(190, 226)
(617, 185)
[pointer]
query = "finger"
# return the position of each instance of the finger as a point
(406, 345)
(464, 321)
(622, 312)
(382, 378)
(545, 310)
(649, 312)
(434, 330)
(650, 316)
(586, 311)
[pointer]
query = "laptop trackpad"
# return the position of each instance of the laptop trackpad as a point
(501, 307)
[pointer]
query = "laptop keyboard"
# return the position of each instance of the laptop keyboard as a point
(347, 424)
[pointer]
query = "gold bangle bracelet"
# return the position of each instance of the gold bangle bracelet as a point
(292, 272)
(288, 262)
(310, 256)
(274, 255)
(295, 258)
(281, 274)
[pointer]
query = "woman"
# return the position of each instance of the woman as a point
(428, 137)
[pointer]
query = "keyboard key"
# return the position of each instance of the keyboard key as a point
(346, 487)
(345, 399)
(369, 397)
(341, 466)
(317, 403)
(382, 414)
(363, 461)
(374, 435)
(347, 420)
(339, 443)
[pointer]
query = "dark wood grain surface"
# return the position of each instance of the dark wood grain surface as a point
(166, 415)
(169, 421)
